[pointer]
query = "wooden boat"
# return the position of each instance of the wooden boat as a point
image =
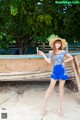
(29, 67)
(34, 68)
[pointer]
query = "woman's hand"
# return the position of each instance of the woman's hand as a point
(63, 64)
(47, 59)
(40, 52)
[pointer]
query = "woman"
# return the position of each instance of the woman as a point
(56, 56)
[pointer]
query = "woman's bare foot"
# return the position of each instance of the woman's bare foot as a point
(42, 114)
(60, 113)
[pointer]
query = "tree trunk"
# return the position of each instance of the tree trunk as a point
(25, 49)
(21, 51)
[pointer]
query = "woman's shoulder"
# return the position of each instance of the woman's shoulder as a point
(50, 54)
(64, 52)
(50, 51)
(61, 51)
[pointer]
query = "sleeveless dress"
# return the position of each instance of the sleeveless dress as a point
(58, 69)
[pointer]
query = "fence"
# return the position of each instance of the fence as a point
(71, 47)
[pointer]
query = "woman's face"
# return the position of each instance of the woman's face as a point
(57, 44)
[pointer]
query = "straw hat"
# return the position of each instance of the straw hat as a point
(52, 40)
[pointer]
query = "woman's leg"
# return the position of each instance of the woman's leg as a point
(48, 92)
(61, 92)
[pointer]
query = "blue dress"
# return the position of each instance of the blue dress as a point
(58, 69)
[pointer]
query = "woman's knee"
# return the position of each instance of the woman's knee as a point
(61, 84)
(52, 84)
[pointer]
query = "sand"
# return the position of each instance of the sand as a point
(24, 102)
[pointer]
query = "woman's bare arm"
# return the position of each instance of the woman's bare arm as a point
(70, 58)
(47, 59)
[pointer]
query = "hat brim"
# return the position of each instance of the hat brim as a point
(64, 42)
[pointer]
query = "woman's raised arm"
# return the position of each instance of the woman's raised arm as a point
(47, 59)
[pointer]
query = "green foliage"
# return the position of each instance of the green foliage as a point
(52, 36)
(30, 21)
(5, 40)
(13, 10)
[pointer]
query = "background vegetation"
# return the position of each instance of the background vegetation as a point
(25, 22)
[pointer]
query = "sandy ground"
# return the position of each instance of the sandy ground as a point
(24, 102)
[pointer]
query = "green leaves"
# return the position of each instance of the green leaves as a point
(52, 36)
(44, 18)
(13, 10)
(31, 21)
(5, 40)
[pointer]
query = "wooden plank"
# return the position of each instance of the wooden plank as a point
(76, 74)
(24, 73)
(77, 65)
(29, 76)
